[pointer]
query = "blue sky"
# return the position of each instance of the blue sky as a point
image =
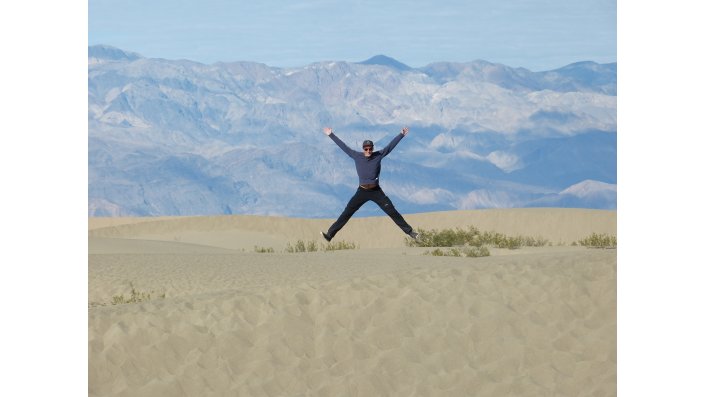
(536, 34)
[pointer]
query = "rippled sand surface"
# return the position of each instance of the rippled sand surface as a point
(380, 320)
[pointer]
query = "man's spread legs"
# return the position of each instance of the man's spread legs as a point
(358, 199)
(386, 205)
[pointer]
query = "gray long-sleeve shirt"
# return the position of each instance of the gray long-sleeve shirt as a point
(368, 168)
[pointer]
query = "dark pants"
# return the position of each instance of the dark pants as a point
(361, 197)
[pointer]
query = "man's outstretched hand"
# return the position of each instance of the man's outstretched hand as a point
(327, 130)
(405, 131)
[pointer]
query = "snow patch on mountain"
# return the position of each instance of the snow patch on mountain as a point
(590, 188)
(484, 198)
(430, 196)
(507, 162)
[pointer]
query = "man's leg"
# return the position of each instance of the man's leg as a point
(386, 205)
(358, 199)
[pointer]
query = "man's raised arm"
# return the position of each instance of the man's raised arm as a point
(394, 142)
(329, 131)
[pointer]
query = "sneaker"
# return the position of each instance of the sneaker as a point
(414, 235)
(326, 236)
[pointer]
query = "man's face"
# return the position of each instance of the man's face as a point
(368, 150)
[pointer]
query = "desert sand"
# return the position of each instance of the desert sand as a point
(380, 320)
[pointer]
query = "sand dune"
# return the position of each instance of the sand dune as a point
(559, 225)
(101, 222)
(382, 320)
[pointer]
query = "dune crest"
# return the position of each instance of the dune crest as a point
(558, 225)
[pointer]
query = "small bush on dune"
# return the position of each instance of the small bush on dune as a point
(312, 246)
(436, 252)
(136, 296)
(446, 237)
(440, 252)
(468, 252)
(339, 245)
(501, 240)
(300, 246)
(535, 242)
(472, 237)
(476, 252)
(263, 250)
(599, 241)
(295, 248)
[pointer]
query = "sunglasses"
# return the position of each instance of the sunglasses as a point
(368, 148)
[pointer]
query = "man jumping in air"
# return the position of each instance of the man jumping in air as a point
(368, 164)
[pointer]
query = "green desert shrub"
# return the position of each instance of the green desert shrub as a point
(475, 252)
(136, 296)
(599, 241)
(299, 246)
(440, 252)
(472, 237)
(313, 246)
(468, 252)
(263, 250)
(446, 237)
(339, 245)
(499, 240)
(535, 242)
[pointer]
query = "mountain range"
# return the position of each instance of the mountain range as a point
(178, 137)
